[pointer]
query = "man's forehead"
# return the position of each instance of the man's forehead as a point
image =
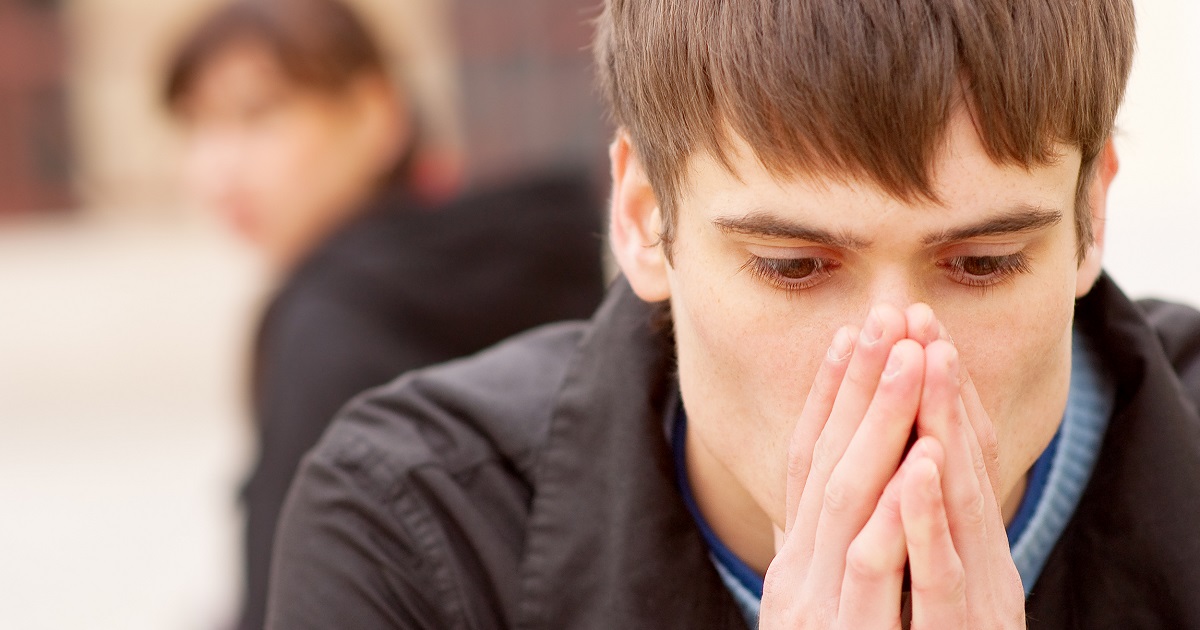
(963, 176)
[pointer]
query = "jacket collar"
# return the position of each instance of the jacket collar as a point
(1130, 557)
(609, 536)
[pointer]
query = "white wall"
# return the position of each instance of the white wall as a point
(1154, 205)
(122, 435)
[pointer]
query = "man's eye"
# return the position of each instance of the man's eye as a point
(982, 265)
(983, 271)
(791, 274)
(794, 269)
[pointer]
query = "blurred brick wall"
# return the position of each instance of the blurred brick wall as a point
(529, 100)
(34, 152)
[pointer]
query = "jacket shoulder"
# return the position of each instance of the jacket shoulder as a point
(1178, 329)
(495, 405)
(411, 511)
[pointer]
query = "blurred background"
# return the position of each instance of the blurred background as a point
(126, 315)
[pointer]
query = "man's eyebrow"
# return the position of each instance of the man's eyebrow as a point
(1022, 218)
(766, 225)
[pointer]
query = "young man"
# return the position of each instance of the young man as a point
(895, 387)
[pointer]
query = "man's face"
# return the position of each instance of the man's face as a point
(765, 271)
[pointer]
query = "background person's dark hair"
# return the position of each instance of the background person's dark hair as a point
(319, 45)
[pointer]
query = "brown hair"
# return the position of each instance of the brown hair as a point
(863, 88)
(319, 44)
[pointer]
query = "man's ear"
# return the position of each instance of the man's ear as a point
(1106, 169)
(636, 224)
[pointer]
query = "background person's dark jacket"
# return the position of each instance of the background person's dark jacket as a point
(402, 287)
(532, 487)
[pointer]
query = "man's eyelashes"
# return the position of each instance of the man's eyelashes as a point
(798, 274)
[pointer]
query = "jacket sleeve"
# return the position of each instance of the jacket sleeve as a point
(403, 516)
(315, 356)
(412, 510)
(357, 552)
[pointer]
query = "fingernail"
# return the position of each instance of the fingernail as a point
(944, 334)
(926, 317)
(842, 347)
(873, 329)
(895, 362)
(933, 481)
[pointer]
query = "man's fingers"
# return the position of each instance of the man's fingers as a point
(870, 595)
(985, 433)
(869, 461)
(883, 328)
(939, 586)
(972, 511)
(816, 411)
(923, 326)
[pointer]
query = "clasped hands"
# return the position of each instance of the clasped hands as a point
(859, 508)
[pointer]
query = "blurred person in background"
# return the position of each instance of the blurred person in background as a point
(298, 138)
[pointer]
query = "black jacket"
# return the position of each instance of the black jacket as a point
(400, 287)
(532, 487)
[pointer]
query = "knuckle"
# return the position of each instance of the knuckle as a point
(798, 468)
(865, 563)
(888, 508)
(991, 462)
(979, 466)
(971, 509)
(988, 441)
(861, 380)
(956, 419)
(799, 461)
(841, 495)
(825, 453)
(955, 581)
(989, 447)
(947, 583)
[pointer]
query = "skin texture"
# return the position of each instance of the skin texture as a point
(883, 277)
(285, 165)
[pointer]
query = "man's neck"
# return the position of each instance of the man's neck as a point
(732, 514)
(1010, 505)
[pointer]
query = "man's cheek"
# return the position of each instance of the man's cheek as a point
(1003, 342)
(768, 353)
(1020, 375)
(778, 359)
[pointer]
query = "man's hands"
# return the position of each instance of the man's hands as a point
(858, 508)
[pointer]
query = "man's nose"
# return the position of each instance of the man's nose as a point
(895, 288)
(895, 291)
